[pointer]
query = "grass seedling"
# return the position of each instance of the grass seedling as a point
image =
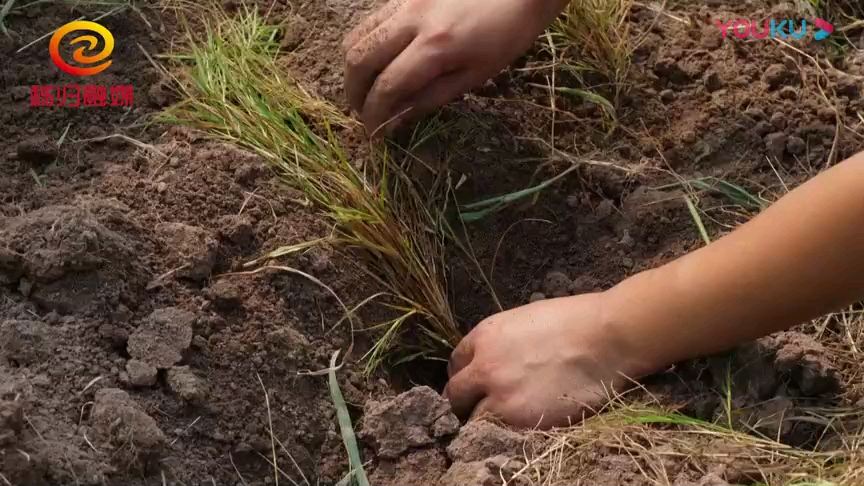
(233, 89)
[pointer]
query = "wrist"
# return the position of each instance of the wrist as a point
(636, 327)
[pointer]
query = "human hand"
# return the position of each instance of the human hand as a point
(545, 364)
(412, 56)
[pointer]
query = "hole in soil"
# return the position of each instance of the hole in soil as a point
(431, 372)
(119, 346)
(162, 378)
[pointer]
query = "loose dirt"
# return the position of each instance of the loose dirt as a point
(126, 354)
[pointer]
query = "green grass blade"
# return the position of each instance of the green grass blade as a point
(736, 194)
(698, 220)
(345, 426)
(488, 206)
(588, 96)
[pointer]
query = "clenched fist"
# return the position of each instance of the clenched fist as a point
(545, 364)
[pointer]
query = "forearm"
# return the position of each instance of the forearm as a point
(799, 259)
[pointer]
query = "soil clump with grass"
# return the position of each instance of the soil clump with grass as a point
(146, 339)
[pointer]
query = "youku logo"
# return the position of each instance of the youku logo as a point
(783, 29)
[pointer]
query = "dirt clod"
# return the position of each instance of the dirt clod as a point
(556, 284)
(672, 71)
(249, 173)
(425, 466)
(788, 93)
(413, 419)
(141, 373)
(162, 337)
(11, 421)
(122, 428)
(778, 121)
(667, 95)
(713, 82)
(186, 384)
(72, 256)
(470, 474)
(224, 294)
(37, 151)
(806, 361)
(604, 209)
(25, 342)
(710, 39)
(583, 284)
(194, 249)
(762, 128)
(238, 230)
(776, 143)
(480, 439)
(848, 87)
(796, 145)
(486, 472)
(160, 94)
(775, 75)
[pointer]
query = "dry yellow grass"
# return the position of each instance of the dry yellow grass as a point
(655, 445)
(233, 89)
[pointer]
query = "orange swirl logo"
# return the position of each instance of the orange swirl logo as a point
(81, 55)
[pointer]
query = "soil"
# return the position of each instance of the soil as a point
(127, 353)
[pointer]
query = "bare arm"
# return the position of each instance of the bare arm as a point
(799, 259)
(550, 362)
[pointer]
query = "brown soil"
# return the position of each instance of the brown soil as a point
(124, 356)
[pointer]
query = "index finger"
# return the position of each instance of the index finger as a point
(372, 55)
(464, 391)
(414, 69)
(461, 356)
(371, 23)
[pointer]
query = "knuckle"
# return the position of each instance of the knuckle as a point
(498, 380)
(439, 36)
(478, 335)
(438, 60)
(354, 58)
(488, 372)
(384, 87)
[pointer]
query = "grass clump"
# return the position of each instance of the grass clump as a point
(593, 39)
(233, 89)
(655, 442)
